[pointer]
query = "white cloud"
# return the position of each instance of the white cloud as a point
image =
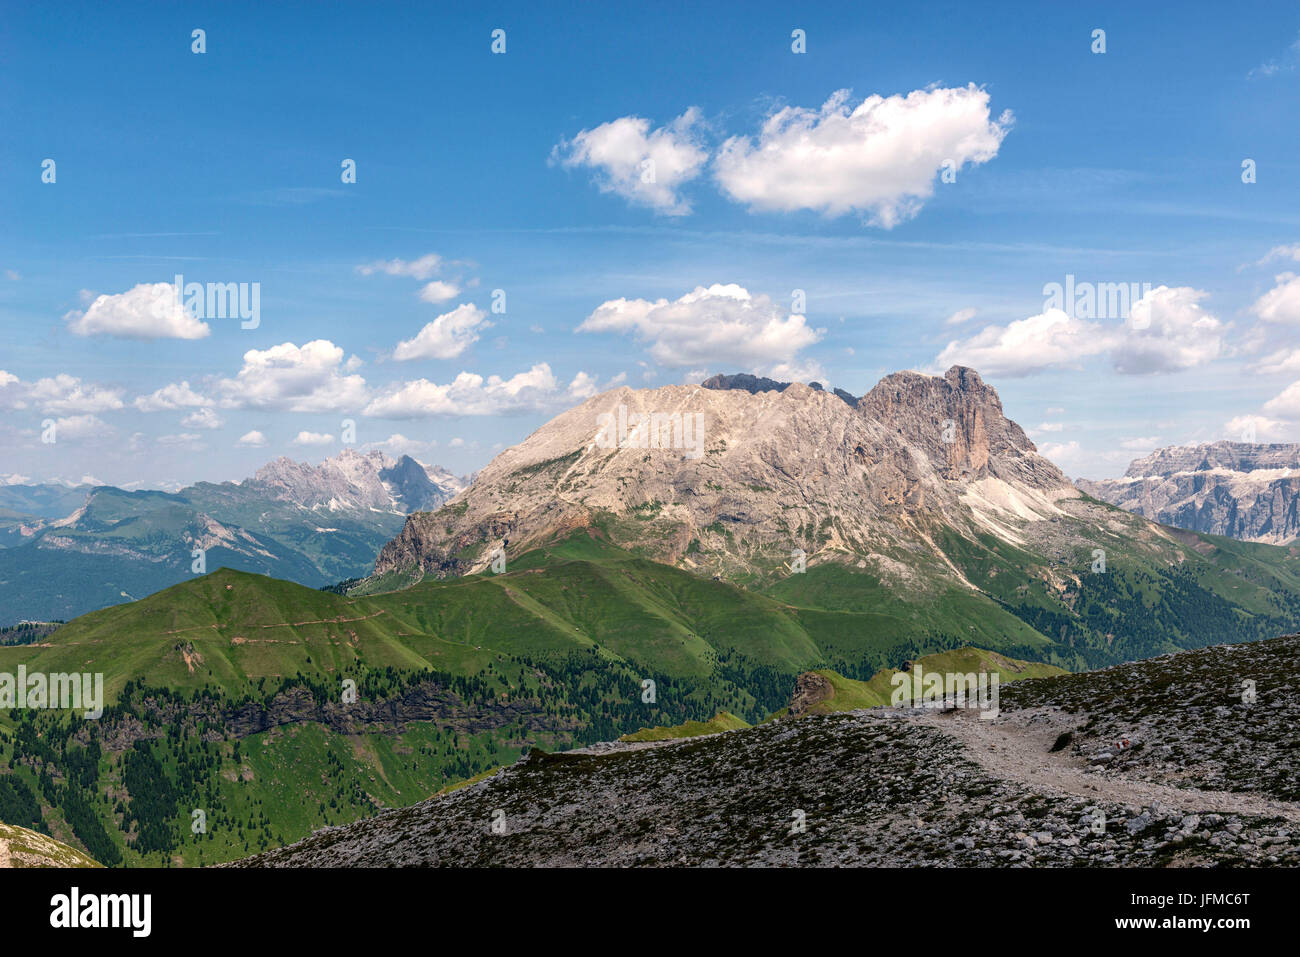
(470, 394)
(1281, 304)
(77, 427)
(307, 378)
(12, 391)
(1285, 63)
(439, 291)
(800, 370)
(1066, 455)
(146, 311)
(1048, 427)
(1168, 331)
(426, 267)
(1286, 404)
(1141, 443)
(1026, 345)
(1254, 428)
(202, 419)
(312, 438)
(446, 337)
(64, 394)
(960, 316)
(1279, 362)
(717, 325)
(398, 444)
(171, 396)
(879, 159)
(647, 168)
(1280, 252)
(252, 440)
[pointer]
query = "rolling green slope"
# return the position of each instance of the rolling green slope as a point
(722, 721)
(225, 691)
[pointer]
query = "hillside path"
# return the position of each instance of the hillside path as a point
(1007, 749)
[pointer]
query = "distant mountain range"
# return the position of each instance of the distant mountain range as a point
(66, 551)
(1241, 490)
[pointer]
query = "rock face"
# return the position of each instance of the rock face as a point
(356, 480)
(20, 847)
(1241, 490)
(1208, 780)
(743, 471)
(810, 689)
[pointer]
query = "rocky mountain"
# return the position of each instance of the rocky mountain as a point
(356, 480)
(734, 476)
(20, 847)
(315, 524)
(1241, 490)
(1158, 763)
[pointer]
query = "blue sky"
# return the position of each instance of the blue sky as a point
(522, 172)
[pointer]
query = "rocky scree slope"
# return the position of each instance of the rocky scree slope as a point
(893, 787)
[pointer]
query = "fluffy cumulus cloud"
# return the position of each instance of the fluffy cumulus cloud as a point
(1026, 345)
(67, 395)
(60, 394)
(439, 291)
(12, 392)
(1281, 304)
(146, 311)
(399, 444)
(202, 419)
(1166, 330)
(1255, 428)
(252, 440)
(175, 395)
(1287, 404)
(446, 337)
(644, 166)
(721, 324)
(1279, 362)
(313, 377)
(471, 394)
(78, 428)
(312, 439)
(879, 159)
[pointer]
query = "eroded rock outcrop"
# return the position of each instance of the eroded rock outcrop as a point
(1238, 489)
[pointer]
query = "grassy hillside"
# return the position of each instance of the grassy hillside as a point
(876, 692)
(226, 692)
(722, 721)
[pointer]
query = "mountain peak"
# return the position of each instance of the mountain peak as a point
(712, 477)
